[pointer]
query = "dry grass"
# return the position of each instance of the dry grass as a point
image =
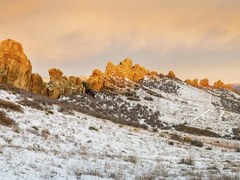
(9, 105)
(32, 104)
(6, 121)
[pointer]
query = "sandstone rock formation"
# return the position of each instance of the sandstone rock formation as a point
(204, 82)
(62, 85)
(37, 84)
(55, 74)
(193, 82)
(219, 84)
(96, 81)
(15, 68)
(171, 75)
(115, 75)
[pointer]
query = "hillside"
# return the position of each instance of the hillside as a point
(57, 139)
(127, 122)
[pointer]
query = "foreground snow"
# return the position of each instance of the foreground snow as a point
(53, 145)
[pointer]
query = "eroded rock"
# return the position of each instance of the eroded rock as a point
(15, 67)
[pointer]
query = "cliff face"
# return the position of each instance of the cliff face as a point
(15, 68)
(114, 75)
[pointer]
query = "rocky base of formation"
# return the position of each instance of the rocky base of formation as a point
(16, 70)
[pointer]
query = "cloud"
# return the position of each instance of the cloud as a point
(82, 32)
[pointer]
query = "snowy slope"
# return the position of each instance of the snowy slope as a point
(55, 144)
(162, 103)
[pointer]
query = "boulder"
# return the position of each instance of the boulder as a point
(15, 67)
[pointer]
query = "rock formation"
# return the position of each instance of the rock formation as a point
(171, 75)
(15, 68)
(193, 82)
(115, 75)
(60, 85)
(219, 85)
(96, 81)
(37, 84)
(204, 82)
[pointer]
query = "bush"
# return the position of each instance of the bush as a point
(187, 161)
(197, 143)
(176, 137)
(6, 121)
(148, 98)
(10, 105)
(92, 128)
(237, 149)
(132, 159)
(45, 133)
(187, 139)
(171, 143)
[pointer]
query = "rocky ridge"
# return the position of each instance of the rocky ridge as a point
(16, 70)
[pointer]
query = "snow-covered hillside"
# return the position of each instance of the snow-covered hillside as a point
(164, 103)
(42, 138)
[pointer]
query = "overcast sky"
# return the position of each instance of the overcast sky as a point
(195, 38)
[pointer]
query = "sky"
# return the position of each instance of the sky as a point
(194, 38)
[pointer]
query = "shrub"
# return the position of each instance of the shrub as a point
(176, 137)
(6, 121)
(50, 112)
(132, 159)
(92, 128)
(35, 127)
(148, 98)
(45, 133)
(171, 143)
(187, 161)
(187, 139)
(197, 143)
(237, 149)
(10, 105)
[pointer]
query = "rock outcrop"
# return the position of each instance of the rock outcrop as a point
(171, 75)
(96, 80)
(193, 82)
(60, 85)
(115, 75)
(204, 82)
(15, 67)
(37, 84)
